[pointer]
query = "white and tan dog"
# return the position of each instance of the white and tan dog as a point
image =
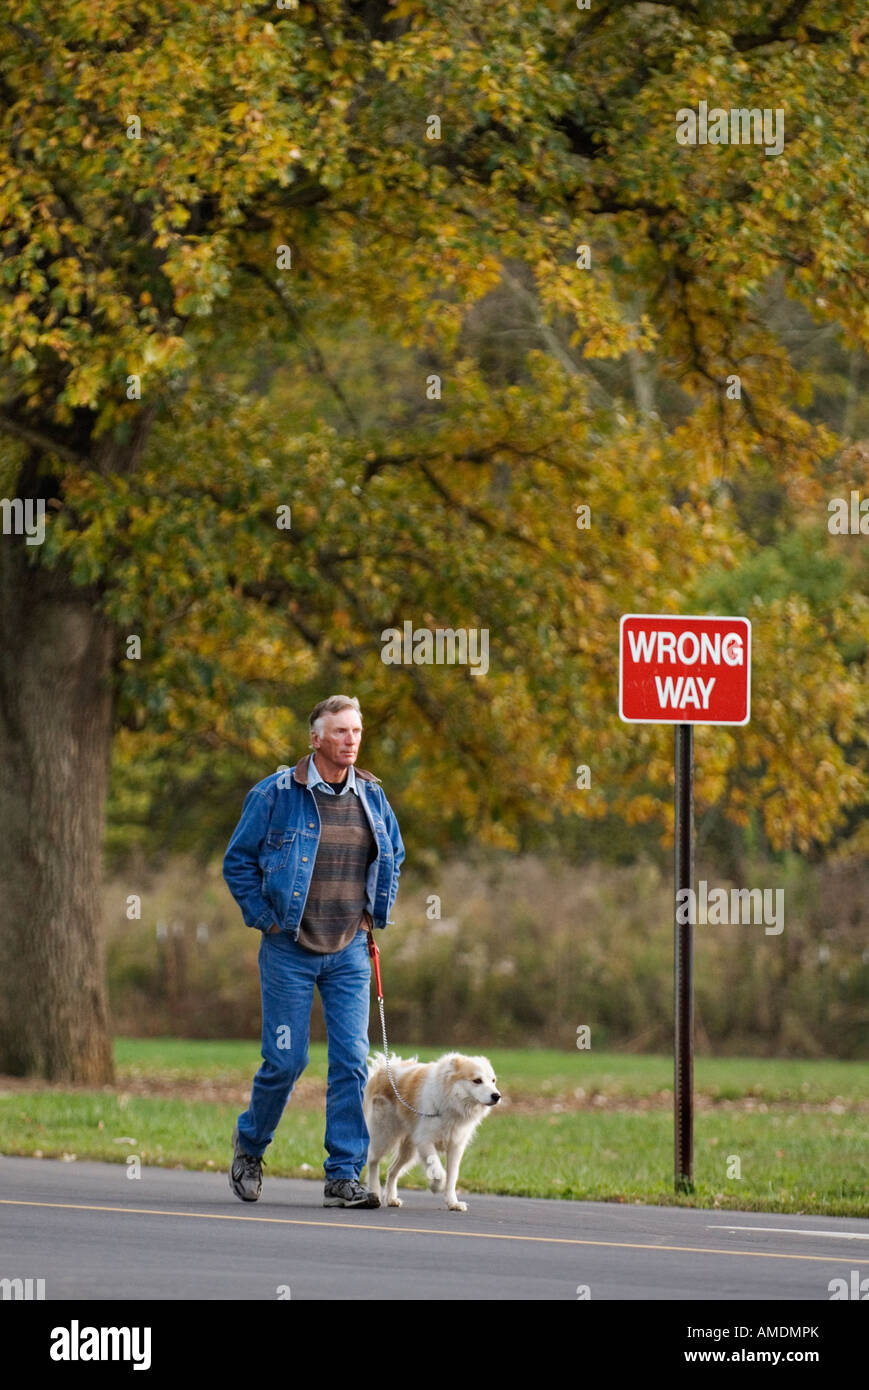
(457, 1090)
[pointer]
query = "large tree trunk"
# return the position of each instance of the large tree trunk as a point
(55, 745)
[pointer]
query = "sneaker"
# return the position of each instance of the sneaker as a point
(348, 1192)
(246, 1172)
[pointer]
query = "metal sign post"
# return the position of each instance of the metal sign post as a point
(683, 963)
(684, 671)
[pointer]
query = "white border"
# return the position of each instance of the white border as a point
(688, 617)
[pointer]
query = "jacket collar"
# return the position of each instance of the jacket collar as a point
(300, 771)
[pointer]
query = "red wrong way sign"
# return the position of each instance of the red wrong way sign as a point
(685, 670)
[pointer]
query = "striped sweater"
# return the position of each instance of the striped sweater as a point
(335, 907)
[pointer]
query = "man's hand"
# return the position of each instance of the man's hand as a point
(273, 928)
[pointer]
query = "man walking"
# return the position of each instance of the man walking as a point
(313, 862)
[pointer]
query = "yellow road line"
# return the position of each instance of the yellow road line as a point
(428, 1231)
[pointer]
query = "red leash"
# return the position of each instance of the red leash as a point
(374, 953)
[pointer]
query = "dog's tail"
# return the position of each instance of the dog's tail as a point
(377, 1063)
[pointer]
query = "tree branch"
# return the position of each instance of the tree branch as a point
(307, 341)
(38, 439)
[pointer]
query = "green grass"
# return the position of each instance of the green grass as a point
(790, 1160)
(531, 1072)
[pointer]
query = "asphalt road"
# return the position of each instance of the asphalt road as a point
(92, 1233)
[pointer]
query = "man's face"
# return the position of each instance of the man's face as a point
(341, 737)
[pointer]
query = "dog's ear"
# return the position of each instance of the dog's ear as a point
(460, 1068)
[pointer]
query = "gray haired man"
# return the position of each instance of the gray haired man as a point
(313, 863)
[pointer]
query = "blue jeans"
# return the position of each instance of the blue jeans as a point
(288, 974)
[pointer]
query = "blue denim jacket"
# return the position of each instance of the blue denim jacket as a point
(269, 861)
